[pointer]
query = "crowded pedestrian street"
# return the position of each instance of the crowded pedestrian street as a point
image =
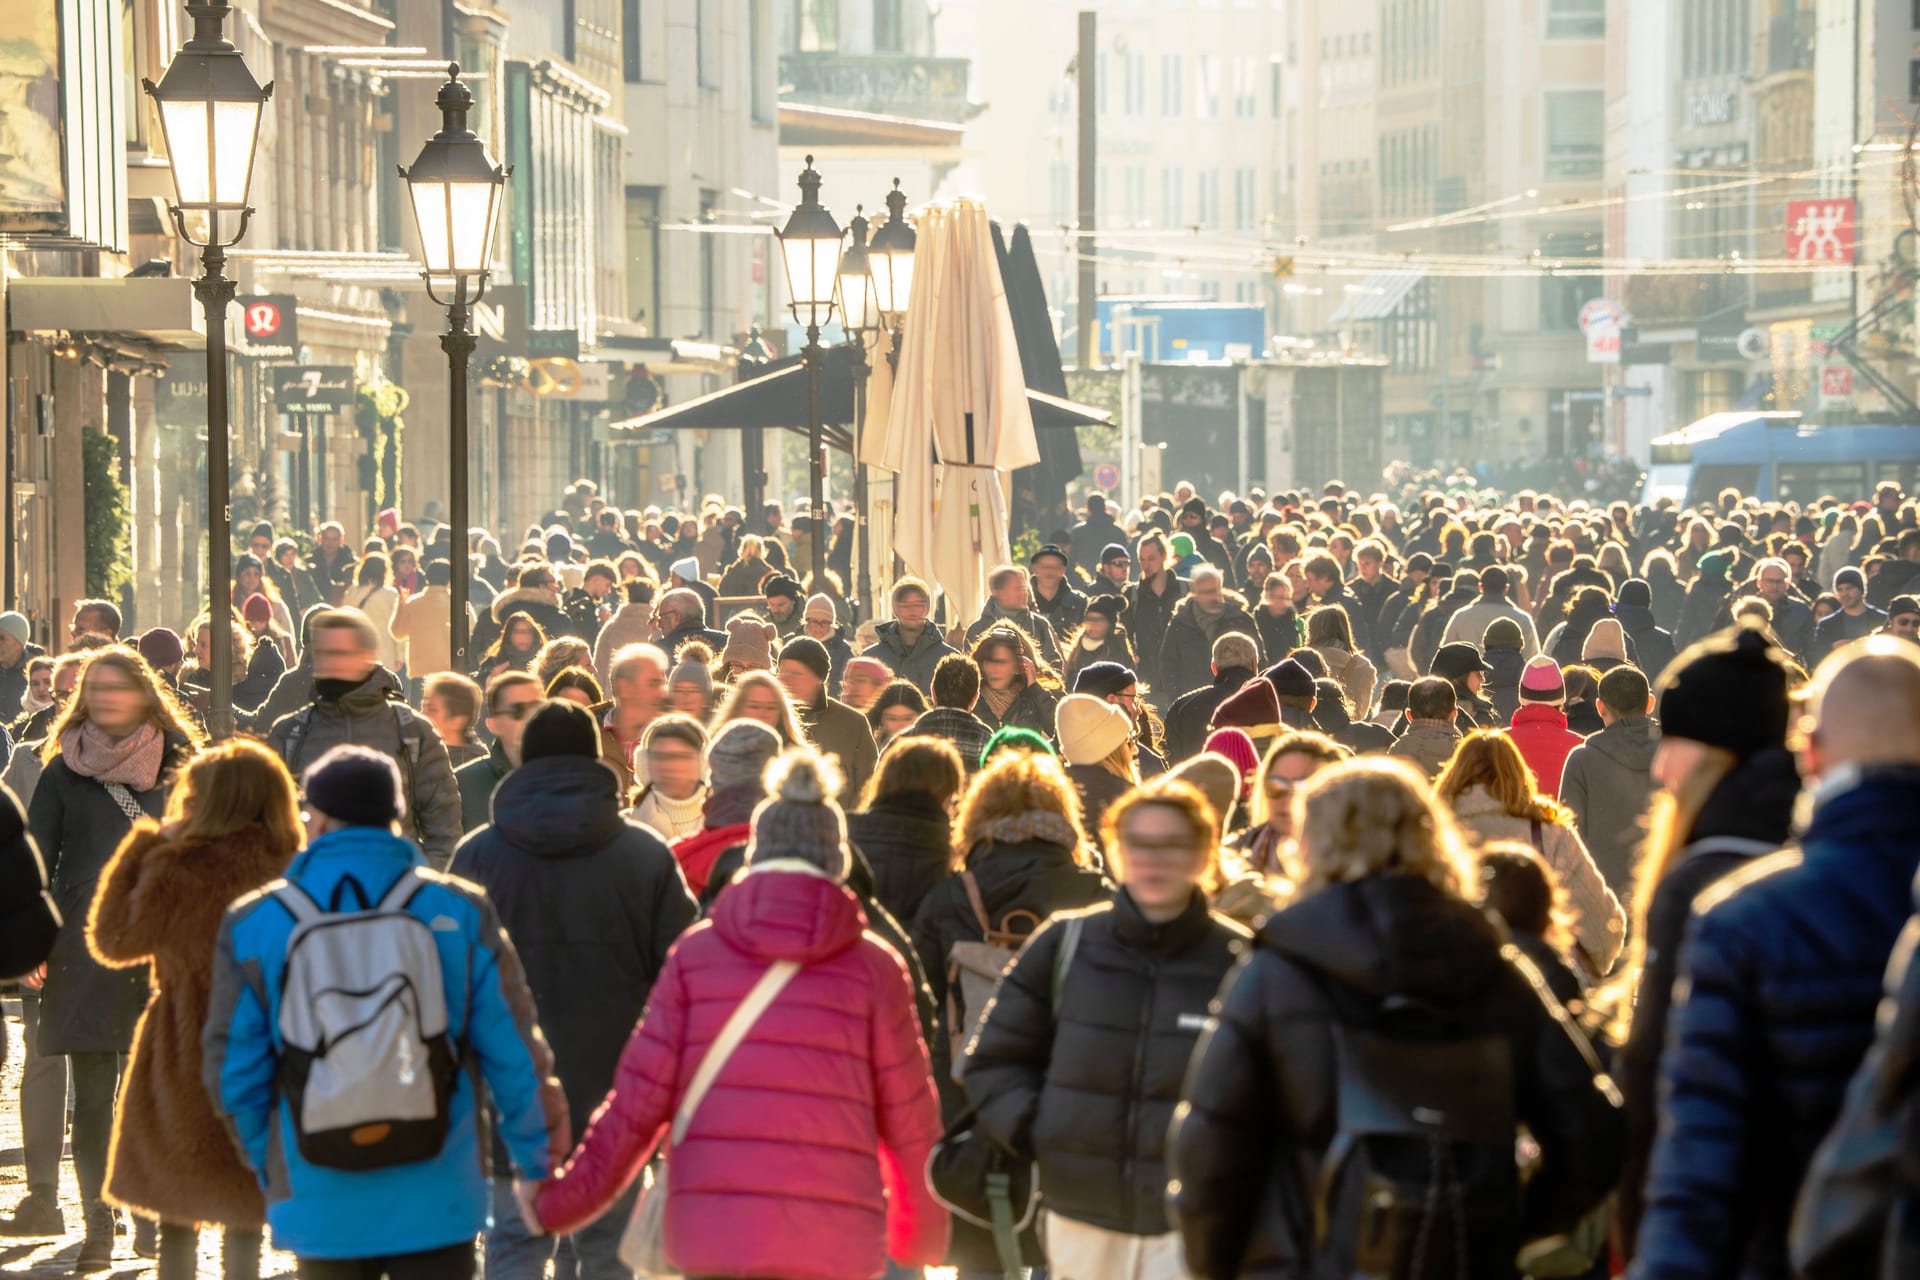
(898, 640)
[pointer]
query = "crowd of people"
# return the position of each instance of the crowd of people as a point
(1294, 884)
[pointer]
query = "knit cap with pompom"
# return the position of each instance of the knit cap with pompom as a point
(799, 818)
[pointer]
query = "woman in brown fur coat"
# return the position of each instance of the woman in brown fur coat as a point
(232, 826)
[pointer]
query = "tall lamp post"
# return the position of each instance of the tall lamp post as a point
(210, 108)
(755, 356)
(890, 258)
(455, 188)
(810, 251)
(860, 317)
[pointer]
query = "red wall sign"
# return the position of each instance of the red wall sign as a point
(1820, 231)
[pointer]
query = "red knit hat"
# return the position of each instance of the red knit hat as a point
(1236, 746)
(255, 608)
(1254, 707)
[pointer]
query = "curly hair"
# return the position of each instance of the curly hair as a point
(1371, 817)
(1014, 785)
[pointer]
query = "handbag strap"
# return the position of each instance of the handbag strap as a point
(124, 798)
(739, 1023)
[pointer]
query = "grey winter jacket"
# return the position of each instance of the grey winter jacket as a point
(1608, 784)
(913, 664)
(1428, 744)
(373, 714)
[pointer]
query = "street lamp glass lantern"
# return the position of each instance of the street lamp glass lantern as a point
(455, 188)
(859, 304)
(210, 109)
(810, 252)
(891, 256)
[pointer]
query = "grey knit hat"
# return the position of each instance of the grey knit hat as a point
(739, 753)
(799, 818)
(694, 673)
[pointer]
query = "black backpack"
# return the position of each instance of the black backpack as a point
(1421, 1172)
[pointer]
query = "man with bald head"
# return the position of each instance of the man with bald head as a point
(1781, 976)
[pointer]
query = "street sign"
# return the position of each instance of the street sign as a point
(1602, 312)
(561, 344)
(1603, 342)
(1106, 476)
(313, 390)
(1836, 386)
(1283, 266)
(270, 325)
(1821, 231)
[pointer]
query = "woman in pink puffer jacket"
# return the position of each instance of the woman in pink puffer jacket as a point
(805, 1160)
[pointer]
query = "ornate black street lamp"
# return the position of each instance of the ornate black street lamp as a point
(810, 251)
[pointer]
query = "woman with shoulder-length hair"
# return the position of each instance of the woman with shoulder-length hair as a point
(1018, 853)
(1017, 688)
(1079, 1062)
(1382, 968)
(1100, 637)
(759, 695)
(905, 822)
(373, 594)
(898, 707)
(231, 826)
(1330, 634)
(1494, 796)
(111, 759)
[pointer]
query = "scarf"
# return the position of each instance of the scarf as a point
(675, 818)
(999, 701)
(33, 705)
(1037, 824)
(133, 761)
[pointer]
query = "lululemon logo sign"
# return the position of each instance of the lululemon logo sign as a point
(263, 319)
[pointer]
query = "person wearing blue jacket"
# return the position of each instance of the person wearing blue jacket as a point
(1780, 978)
(414, 1221)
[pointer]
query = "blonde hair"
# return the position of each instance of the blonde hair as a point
(732, 708)
(559, 653)
(1372, 817)
(163, 708)
(1121, 764)
(232, 786)
(1487, 758)
(1012, 785)
(1181, 797)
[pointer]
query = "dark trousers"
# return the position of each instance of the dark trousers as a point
(180, 1249)
(455, 1262)
(43, 1101)
(96, 1081)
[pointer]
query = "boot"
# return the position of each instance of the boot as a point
(96, 1250)
(146, 1237)
(36, 1215)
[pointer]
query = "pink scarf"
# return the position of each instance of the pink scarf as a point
(133, 761)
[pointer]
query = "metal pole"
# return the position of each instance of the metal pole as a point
(817, 451)
(862, 557)
(215, 291)
(1087, 69)
(458, 342)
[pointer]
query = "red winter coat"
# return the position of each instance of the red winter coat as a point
(1540, 732)
(698, 852)
(805, 1160)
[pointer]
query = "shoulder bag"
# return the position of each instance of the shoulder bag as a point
(643, 1245)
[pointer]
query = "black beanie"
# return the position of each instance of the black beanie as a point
(560, 727)
(809, 653)
(1728, 691)
(354, 785)
(1635, 593)
(1102, 679)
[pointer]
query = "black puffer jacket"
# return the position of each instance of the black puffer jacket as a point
(592, 903)
(1089, 1088)
(1032, 708)
(1261, 1092)
(1186, 660)
(1746, 816)
(28, 919)
(908, 841)
(1190, 719)
(1033, 876)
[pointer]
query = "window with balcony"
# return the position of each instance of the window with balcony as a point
(816, 25)
(1576, 19)
(1575, 132)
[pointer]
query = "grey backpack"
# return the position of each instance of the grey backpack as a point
(367, 1064)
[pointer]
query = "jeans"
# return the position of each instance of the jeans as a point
(43, 1101)
(514, 1253)
(96, 1082)
(455, 1262)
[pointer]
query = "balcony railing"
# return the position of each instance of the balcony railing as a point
(1790, 42)
(883, 83)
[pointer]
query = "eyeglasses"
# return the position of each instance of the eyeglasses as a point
(517, 710)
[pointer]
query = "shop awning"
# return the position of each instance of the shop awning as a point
(158, 310)
(778, 399)
(1377, 297)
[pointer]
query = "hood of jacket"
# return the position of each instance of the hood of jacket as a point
(1539, 714)
(1508, 666)
(1233, 609)
(1635, 619)
(371, 694)
(522, 598)
(558, 807)
(788, 910)
(1390, 937)
(1477, 802)
(1629, 742)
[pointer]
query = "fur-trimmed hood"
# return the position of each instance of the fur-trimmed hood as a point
(506, 602)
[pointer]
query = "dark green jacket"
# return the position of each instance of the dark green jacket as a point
(477, 779)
